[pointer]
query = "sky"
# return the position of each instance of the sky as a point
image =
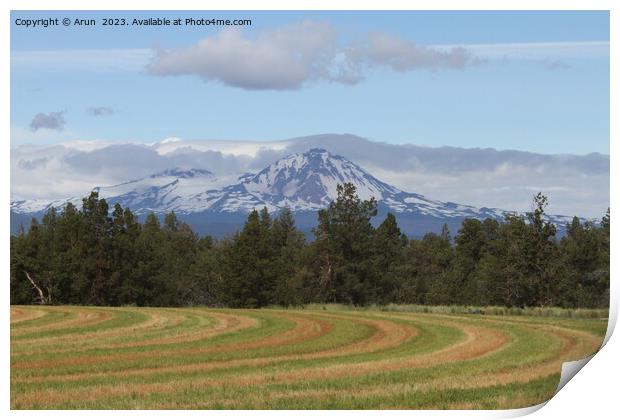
(531, 81)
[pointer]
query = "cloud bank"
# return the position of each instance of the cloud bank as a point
(576, 184)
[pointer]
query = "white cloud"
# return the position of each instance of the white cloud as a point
(288, 57)
(511, 187)
(291, 56)
(237, 148)
(279, 59)
(401, 55)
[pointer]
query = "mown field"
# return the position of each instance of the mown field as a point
(168, 358)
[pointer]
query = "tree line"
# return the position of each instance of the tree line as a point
(91, 256)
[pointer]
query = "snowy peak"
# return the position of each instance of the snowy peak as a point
(306, 181)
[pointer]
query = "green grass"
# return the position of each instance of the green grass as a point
(555, 312)
(317, 357)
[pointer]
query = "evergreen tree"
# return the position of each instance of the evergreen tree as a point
(179, 252)
(523, 269)
(145, 285)
(32, 269)
(343, 245)
(207, 282)
(388, 259)
(474, 242)
(97, 257)
(289, 244)
(124, 255)
(91, 285)
(250, 278)
(585, 260)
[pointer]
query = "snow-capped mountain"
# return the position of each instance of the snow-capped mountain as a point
(156, 193)
(160, 192)
(20, 206)
(304, 182)
(307, 182)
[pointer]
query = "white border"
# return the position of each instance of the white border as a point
(592, 393)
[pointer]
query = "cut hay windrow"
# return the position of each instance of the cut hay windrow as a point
(21, 315)
(85, 357)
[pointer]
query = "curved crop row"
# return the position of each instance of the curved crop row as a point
(87, 357)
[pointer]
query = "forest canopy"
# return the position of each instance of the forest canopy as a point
(101, 256)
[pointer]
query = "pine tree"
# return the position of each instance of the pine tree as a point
(522, 266)
(473, 254)
(344, 248)
(289, 244)
(144, 287)
(32, 279)
(91, 256)
(388, 258)
(542, 272)
(248, 261)
(585, 260)
(123, 255)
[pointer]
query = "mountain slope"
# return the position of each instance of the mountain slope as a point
(307, 182)
(161, 192)
(304, 182)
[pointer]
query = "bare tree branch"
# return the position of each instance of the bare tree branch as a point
(43, 300)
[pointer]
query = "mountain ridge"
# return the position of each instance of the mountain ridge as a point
(304, 182)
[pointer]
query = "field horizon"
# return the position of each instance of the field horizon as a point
(78, 357)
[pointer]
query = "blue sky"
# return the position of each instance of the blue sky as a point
(535, 81)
